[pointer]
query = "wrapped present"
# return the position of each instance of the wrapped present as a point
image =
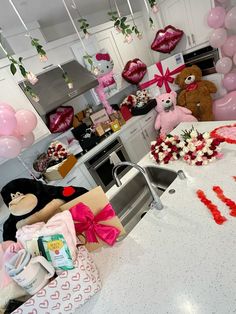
(161, 75)
(95, 219)
(69, 291)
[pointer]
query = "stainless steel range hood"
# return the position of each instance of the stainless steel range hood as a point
(53, 91)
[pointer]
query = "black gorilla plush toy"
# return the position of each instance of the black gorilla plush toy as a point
(30, 201)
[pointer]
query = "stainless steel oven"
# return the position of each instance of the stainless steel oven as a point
(205, 58)
(100, 166)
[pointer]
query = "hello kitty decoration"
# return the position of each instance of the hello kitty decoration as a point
(101, 65)
(170, 115)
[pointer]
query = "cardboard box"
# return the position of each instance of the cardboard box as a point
(96, 200)
(60, 170)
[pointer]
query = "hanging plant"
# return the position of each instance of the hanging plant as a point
(28, 90)
(121, 26)
(151, 23)
(135, 29)
(66, 77)
(41, 52)
(84, 25)
(153, 5)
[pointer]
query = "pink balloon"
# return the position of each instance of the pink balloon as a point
(224, 65)
(4, 105)
(218, 37)
(229, 47)
(10, 147)
(229, 81)
(7, 122)
(234, 58)
(230, 19)
(225, 108)
(27, 140)
(26, 121)
(216, 17)
(16, 133)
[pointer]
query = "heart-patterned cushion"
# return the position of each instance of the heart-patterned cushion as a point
(61, 119)
(166, 39)
(134, 71)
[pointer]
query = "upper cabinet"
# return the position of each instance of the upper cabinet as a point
(12, 94)
(189, 16)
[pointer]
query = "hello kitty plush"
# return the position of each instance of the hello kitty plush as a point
(170, 115)
(101, 65)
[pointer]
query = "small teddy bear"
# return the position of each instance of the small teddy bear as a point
(196, 93)
(170, 115)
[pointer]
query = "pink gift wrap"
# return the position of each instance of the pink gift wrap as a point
(68, 291)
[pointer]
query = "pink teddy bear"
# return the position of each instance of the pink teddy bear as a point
(170, 115)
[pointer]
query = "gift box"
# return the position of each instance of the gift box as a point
(59, 171)
(160, 76)
(70, 290)
(96, 217)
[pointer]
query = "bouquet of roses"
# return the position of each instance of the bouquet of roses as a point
(166, 148)
(200, 148)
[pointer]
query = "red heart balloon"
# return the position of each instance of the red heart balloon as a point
(166, 39)
(61, 119)
(134, 71)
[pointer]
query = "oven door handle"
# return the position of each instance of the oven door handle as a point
(199, 58)
(104, 159)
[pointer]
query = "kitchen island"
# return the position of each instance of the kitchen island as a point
(177, 260)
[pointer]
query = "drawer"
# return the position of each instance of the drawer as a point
(130, 131)
(148, 118)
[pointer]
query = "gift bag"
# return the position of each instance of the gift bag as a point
(95, 219)
(160, 76)
(70, 290)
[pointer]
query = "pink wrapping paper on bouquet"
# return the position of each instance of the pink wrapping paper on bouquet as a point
(68, 291)
(160, 76)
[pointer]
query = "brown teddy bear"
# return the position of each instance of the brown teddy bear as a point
(196, 93)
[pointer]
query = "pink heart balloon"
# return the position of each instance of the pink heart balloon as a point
(61, 119)
(225, 108)
(134, 71)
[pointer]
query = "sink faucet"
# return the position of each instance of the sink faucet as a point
(156, 203)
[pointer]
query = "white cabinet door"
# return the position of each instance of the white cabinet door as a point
(150, 134)
(11, 93)
(136, 146)
(197, 12)
(174, 13)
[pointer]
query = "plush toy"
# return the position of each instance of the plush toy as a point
(196, 93)
(101, 65)
(30, 201)
(170, 115)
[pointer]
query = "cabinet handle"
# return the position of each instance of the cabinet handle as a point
(47, 66)
(146, 120)
(143, 136)
(2, 79)
(193, 39)
(69, 181)
(146, 133)
(132, 132)
(189, 40)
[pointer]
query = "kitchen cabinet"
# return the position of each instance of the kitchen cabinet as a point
(12, 94)
(137, 138)
(189, 16)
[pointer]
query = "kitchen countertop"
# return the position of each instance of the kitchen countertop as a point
(177, 260)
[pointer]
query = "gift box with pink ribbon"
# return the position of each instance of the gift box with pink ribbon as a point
(160, 76)
(95, 220)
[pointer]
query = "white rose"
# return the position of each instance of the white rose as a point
(182, 153)
(191, 147)
(199, 158)
(153, 142)
(181, 144)
(209, 152)
(185, 149)
(205, 162)
(204, 150)
(206, 135)
(193, 134)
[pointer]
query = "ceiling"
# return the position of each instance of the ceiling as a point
(48, 12)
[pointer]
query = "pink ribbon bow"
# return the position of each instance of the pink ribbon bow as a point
(86, 222)
(103, 56)
(163, 78)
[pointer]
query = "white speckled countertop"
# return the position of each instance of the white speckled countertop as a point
(179, 261)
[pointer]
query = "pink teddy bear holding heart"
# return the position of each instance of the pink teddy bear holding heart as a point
(170, 115)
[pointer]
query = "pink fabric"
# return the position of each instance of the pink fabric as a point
(7, 250)
(105, 81)
(85, 221)
(61, 223)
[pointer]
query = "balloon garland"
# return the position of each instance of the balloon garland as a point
(223, 22)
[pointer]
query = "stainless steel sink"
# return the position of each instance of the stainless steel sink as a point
(133, 199)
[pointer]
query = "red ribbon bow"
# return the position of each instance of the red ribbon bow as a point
(103, 56)
(86, 222)
(163, 78)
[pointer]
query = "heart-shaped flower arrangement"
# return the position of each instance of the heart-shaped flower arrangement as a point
(134, 71)
(166, 39)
